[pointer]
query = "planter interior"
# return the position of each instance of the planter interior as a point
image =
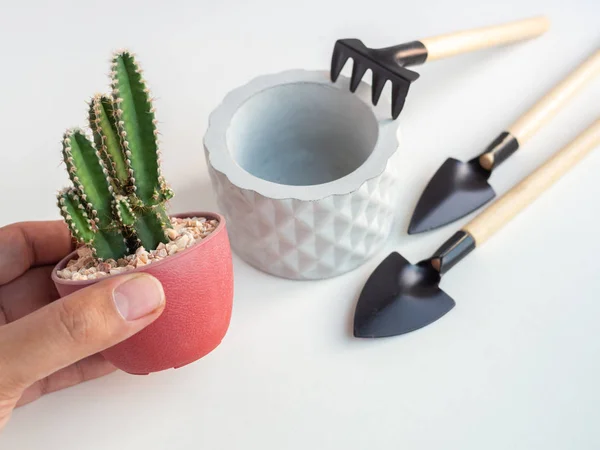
(302, 134)
(296, 135)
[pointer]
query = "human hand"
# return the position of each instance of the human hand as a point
(47, 343)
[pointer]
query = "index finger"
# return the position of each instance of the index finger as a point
(28, 244)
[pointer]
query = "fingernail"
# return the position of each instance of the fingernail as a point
(138, 297)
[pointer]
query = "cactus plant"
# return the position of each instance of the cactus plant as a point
(117, 202)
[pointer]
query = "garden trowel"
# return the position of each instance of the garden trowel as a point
(389, 63)
(459, 188)
(400, 297)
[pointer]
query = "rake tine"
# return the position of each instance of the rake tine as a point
(399, 92)
(358, 70)
(338, 60)
(378, 84)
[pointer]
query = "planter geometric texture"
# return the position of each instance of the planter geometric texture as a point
(303, 240)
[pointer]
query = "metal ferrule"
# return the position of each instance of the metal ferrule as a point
(498, 151)
(408, 54)
(452, 251)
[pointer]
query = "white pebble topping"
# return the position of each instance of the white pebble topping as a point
(183, 234)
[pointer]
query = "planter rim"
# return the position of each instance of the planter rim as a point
(209, 215)
(221, 159)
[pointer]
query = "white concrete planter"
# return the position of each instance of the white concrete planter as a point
(304, 172)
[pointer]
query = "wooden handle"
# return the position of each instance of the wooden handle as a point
(514, 201)
(549, 105)
(452, 44)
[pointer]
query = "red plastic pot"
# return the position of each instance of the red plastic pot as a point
(198, 285)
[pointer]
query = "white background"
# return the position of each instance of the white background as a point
(514, 366)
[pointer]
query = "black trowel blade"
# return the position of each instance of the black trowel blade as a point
(398, 298)
(457, 189)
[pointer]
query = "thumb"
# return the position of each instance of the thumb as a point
(79, 325)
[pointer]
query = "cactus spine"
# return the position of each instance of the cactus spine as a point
(117, 201)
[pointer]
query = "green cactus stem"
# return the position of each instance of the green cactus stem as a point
(110, 244)
(123, 211)
(106, 138)
(75, 215)
(89, 176)
(150, 228)
(105, 243)
(117, 202)
(137, 127)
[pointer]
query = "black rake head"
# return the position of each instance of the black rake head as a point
(386, 64)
